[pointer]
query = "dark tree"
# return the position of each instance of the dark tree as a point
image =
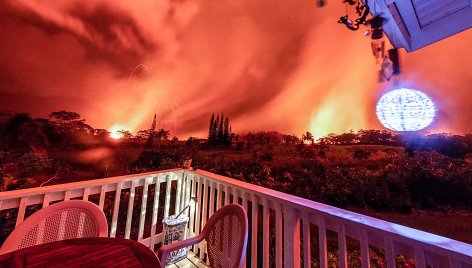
(220, 130)
(212, 131)
(71, 128)
(308, 137)
(64, 116)
(161, 134)
(24, 133)
(226, 140)
(152, 131)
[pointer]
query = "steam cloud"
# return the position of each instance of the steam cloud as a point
(268, 65)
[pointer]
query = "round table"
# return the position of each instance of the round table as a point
(83, 252)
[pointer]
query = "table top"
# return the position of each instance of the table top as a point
(83, 252)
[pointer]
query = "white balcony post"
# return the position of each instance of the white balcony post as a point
(291, 238)
(254, 209)
(155, 211)
(142, 214)
(116, 208)
(265, 234)
(342, 248)
(278, 237)
(389, 253)
(306, 242)
(129, 214)
(323, 242)
(365, 250)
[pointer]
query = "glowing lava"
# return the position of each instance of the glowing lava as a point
(115, 134)
(116, 131)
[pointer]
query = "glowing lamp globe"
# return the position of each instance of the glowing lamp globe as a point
(405, 110)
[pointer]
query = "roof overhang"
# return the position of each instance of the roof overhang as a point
(413, 24)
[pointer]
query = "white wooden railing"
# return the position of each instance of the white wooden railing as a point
(285, 230)
(108, 194)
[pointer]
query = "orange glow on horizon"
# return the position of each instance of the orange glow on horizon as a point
(293, 69)
(115, 131)
(116, 135)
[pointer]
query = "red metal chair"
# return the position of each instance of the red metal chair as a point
(226, 235)
(60, 221)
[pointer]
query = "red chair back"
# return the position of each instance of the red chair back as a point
(226, 233)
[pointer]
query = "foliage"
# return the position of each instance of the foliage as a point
(450, 145)
(151, 160)
(31, 163)
(404, 172)
(291, 139)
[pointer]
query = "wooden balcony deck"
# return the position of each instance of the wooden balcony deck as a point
(191, 261)
(286, 231)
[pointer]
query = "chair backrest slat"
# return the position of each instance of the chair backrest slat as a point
(226, 233)
(63, 220)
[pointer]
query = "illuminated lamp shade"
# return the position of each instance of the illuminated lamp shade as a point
(405, 110)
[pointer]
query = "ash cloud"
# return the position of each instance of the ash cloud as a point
(268, 65)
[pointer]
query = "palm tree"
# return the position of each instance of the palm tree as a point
(308, 137)
(161, 134)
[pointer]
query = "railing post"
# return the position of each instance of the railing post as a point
(278, 236)
(116, 208)
(142, 215)
(419, 257)
(101, 202)
(365, 261)
(204, 206)
(254, 209)
(291, 238)
(155, 211)
(21, 210)
(178, 193)
(323, 242)
(265, 234)
(342, 248)
(86, 193)
(306, 242)
(389, 253)
(129, 214)
(167, 199)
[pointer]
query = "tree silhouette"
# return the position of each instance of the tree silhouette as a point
(308, 137)
(219, 131)
(71, 128)
(63, 117)
(152, 130)
(162, 134)
(125, 134)
(290, 139)
(225, 139)
(23, 132)
(212, 131)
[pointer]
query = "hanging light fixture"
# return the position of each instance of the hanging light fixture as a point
(378, 44)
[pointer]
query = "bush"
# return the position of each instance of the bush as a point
(32, 163)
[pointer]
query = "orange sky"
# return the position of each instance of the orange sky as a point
(267, 64)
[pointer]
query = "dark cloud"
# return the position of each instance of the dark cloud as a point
(106, 33)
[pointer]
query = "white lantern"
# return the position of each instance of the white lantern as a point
(405, 110)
